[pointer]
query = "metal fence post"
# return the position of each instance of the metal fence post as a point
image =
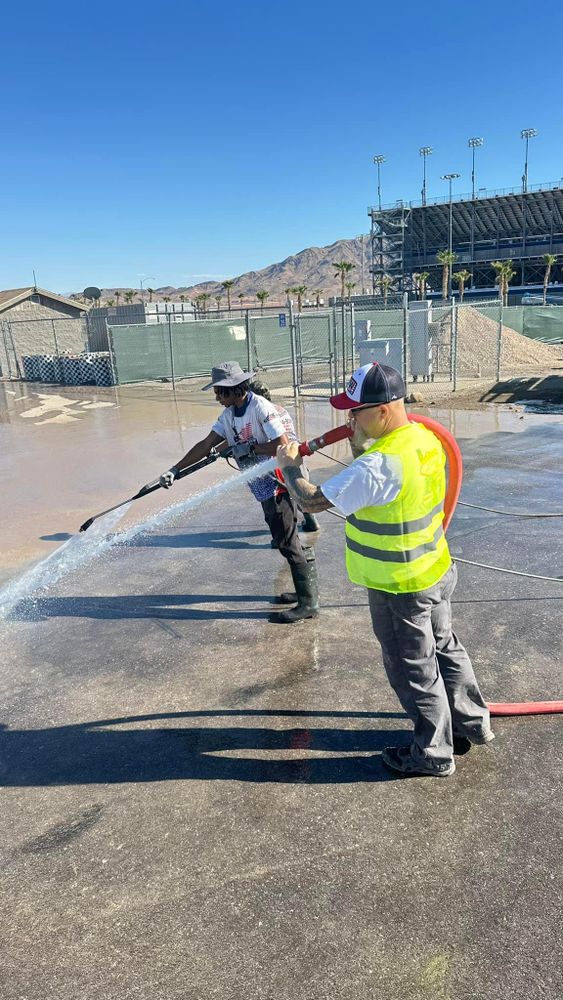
(405, 372)
(455, 310)
(344, 358)
(172, 372)
(292, 345)
(248, 344)
(335, 345)
(353, 336)
(452, 320)
(499, 341)
(55, 337)
(7, 353)
(333, 388)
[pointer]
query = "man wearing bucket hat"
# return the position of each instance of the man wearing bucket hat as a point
(392, 496)
(253, 430)
(259, 388)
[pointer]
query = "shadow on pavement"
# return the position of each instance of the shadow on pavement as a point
(103, 753)
(205, 540)
(165, 606)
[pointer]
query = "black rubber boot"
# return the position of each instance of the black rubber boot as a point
(309, 523)
(289, 596)
(307, 594)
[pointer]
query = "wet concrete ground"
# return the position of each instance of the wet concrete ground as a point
(186, 810)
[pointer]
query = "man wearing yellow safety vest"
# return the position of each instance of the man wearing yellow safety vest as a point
(393, 498)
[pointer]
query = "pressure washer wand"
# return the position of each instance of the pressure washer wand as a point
(151, 487)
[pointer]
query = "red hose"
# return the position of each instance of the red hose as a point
(455, 462)
(526, 708)
(455, 473)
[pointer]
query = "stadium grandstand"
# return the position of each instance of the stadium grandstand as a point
(493, 225)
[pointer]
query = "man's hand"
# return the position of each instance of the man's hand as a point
(167, 478)
(288, 455)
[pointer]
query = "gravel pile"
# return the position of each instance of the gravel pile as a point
(477, 338)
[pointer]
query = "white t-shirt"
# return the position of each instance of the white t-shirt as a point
(256, 422)
(370, 481)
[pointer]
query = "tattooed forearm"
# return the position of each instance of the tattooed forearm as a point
(309, 498)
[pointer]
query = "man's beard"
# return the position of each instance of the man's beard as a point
(360, 439)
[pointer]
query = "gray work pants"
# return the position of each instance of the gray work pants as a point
(428, 668)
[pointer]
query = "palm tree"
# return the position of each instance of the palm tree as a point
(240, 297)
(460, 278)
(505, 274)
(350, 285)
(182, 297)
(129, 296)
(110, 303)
(549, 260)
(386, 283)
(343, 268)
(205, 299)
(446, 259)
(318, 294)
(218, 300)
(300, 291)
(262, 296)
(289, 291)
(117, 295)
(422, 279)
(227, 285)
(151, 293)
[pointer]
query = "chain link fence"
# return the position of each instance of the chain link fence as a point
(49, 337)
(436, 345)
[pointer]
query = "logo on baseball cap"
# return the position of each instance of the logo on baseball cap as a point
(371, 385)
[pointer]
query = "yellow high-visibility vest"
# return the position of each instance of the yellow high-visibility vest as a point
(400, 547)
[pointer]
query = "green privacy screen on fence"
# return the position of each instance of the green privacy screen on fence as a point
(153, 351)
(538, 322)
(143, 352)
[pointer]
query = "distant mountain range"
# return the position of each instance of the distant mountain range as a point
(312, 267)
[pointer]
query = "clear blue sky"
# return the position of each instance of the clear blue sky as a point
(183, 140)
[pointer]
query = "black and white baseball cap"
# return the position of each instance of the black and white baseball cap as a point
(371, 385)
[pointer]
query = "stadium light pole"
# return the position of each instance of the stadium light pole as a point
(424, 151)
(450, 178)
(473, 145)
(378, 160)
(527, 134)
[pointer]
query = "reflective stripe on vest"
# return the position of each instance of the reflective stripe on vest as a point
(400, 528)
(400, 547)
(395, 555)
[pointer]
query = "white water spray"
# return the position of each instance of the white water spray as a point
(83, 548)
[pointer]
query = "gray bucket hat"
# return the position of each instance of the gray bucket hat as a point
(228, 373)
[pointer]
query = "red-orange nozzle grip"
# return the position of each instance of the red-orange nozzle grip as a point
(331, 437)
